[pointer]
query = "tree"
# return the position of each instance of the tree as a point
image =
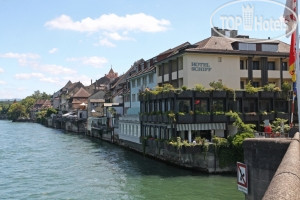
(16, 111)
(28, 102)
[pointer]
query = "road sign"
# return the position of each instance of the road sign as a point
(242, 177)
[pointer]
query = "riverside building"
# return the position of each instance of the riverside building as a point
(234, 62)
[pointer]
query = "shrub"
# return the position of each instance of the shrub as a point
(250, 89)
(199, 88)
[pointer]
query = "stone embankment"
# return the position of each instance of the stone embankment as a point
(286, 182)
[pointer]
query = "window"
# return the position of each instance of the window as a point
(247, 46)
(160, 70)
(133, 98)
(271, 65)
(281, 106)
(133, 83)
(174, 65)
(269, 47)
(242, 85)
(218, 105)
(201, 105)
(255, 84)
(284, 66)
(265, 105)
(241, 64)
(145, 81)
(180, 63)
(150, 78)
(256, 65)
(184, 106)
(250, 105)
(138, 82)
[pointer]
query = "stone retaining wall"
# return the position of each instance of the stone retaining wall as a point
(286, 182)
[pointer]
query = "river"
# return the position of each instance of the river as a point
(43, 163)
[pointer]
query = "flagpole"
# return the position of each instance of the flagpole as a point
(297, 65)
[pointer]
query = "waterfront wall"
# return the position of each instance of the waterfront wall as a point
(286, 182)
(262, 157)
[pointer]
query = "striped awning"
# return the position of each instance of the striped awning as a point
(202, 126)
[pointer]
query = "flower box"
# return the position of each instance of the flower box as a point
(219, 118)
(185, 94)
(202, 94)
(266, 94)
(238, 94)
(251, 95)
(185, 119)
(219, 94)
(269, 116)
(283, 115)
(251, 117)
(202, 118)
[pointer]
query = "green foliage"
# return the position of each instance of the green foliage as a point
(28, 102)
(199, 88)
(38, 95)
(250, 89)
(238, 139)
(271, 87)
(184, 88)
(16, 111)
(50, 111)
(241, 126)
(277, 125)
(216, 85)
(286, 87)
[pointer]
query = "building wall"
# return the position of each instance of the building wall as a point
(134, 91)
(205, 68)
(220, 67)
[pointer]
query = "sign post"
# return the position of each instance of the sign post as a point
(242, 177)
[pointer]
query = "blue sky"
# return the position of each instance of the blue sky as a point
(44, 44)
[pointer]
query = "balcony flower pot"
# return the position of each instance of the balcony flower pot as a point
(219, 94)
(251, 95)
(269, 116)
(202, 94)
(237, 94)
(251, 117)
(185, 94)
(283, 115)
(219, 118)
(185, 119)
(202, 118)
(266, 94)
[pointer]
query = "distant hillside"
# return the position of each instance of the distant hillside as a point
(9, 100)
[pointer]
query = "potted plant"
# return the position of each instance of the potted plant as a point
(269, 91)
(218, 89)
(201, 91)
(251, 92)
(185, 93)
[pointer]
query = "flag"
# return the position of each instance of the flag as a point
(292, 59)
(290, 16)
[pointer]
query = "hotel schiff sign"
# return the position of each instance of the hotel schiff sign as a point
(203, 67)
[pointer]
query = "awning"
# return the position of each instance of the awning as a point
(202, 126)
(97, 100)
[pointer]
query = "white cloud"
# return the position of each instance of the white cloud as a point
(117, 36)
(1, 70)
(2, 82)
(26, 76)
(56, 69)
(94, 61)
(105, 42)
(52, 51)
(23, 58)
(111, 22)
